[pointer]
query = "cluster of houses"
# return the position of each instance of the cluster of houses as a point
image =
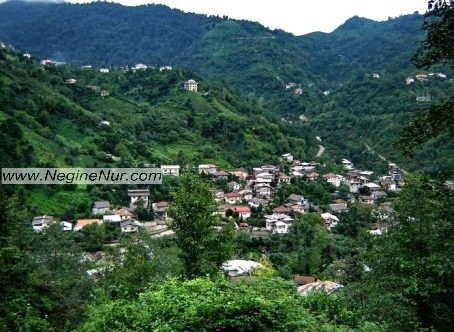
(245, 190)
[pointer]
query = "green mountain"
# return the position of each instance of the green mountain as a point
(60, 116)
(258, 63)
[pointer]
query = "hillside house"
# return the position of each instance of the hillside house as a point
(366, 199)
(100, 207)
(241, 173)
(244, 212)
(282, 209)
(41, 222)
(233, 198)
(207, 169)
(256, 202)
(334, 179)
(130, 226)
(173, 170)
(338, 207)
(218, 194)
(372, 186)
(137, 195)
(247, 194)
(263, 190)
(317, 286)
(160, 209)
(221, 176)
(111, 218)
(312, 176)
(330, 220)
(191, 85)
(287, 157)
(278, 223)
(239, 267)
(264, 177)
(124, 214)
(297, 199)
(283, 178)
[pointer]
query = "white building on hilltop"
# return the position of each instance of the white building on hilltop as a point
(191, 85)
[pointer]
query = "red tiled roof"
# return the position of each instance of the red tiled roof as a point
(241, 209)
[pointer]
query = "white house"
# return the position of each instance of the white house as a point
(191, 85)
(330, 220)
(239, 267)
(173, 170)
(244, 212)
(207, 169)
(111, 218)
(275, 223)
(41, 222)
(264, 177)
(263, 189)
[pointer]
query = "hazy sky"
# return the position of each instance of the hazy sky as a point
(296, 16)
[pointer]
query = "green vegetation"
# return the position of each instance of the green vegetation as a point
(150, 118)
(203, 241)
(102, 280)
(256, 63)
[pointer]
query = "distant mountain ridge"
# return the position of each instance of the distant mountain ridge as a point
(332, 73)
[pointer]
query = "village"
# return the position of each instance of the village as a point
(239, 193)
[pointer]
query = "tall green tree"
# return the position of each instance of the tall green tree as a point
(204, 242)
(410, 282)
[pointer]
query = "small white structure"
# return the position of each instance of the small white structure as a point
(100, 207)
(140, 66)
(330, 220)
(207, 169)
(66, 226)
(165, 68)
(191, 85)
(278, 223)
(239, 267)
(173, 170)
(71, 81)
(111, 218)
(104, 70)
(41, 222)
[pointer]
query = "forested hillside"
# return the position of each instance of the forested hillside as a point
(258, 63)
(67, 116)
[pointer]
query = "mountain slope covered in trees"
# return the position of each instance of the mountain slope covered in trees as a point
(258, 63)
(62, 116)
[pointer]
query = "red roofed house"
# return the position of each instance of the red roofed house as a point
(243, 211)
